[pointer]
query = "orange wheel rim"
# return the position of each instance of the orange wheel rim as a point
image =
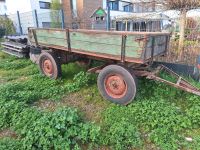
(48, 67)
(198, 66)
(115, 86)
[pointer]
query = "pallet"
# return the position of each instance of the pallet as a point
(15, 49)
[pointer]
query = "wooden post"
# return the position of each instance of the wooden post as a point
(139, 26)
(126, 29)
(131, 26)
(182, 31)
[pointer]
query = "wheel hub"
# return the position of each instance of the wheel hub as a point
(198, 66)
(115, 86)
(48, 67)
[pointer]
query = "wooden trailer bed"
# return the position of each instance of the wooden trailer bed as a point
(135, 47)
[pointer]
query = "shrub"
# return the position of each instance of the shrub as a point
(10, 144)
(8, 110)
(62, 129)
(7, 24)
(2, 32)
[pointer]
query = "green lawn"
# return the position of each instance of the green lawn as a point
(39, 113)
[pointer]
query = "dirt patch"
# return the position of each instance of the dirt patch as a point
(91, 110)
(2, 81)
(7, 133)
(21, 79)
(46, 104)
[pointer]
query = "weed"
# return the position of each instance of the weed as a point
(156, 114)
(160, 114)
(10, 144)
(61, 129)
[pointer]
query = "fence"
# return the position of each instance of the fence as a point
(191, 44)
(48, 19)
(56, 19)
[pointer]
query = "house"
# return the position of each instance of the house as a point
(99, 19)
(3, 8)
(140, 16)
(26, 9)
(142, 22)
(78, 12)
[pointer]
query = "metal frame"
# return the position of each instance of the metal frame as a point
(181, 83)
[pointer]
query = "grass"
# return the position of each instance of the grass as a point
(32, 106)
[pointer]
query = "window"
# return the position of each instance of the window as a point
(45, 5)
(101, 18)
(136, 26)
(97, 18)
(46, 24)
(143, 26)
(120, 26)
(74, 8)
(114, 5)
(143, 7)
(128, 8)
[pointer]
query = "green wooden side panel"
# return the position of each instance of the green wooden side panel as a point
(51, 37)
(159, 45)
(133, 48)
(97, 43)
(104, 43)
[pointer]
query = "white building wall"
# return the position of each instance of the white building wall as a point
(114, 13)
(18, 5)
(27, 15)
(3, 8)
(120, 12)
(35, 5)
(43, 14)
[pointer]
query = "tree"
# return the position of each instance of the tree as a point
(55, 17)
(56, 5)
(6, 26)
(183, 6)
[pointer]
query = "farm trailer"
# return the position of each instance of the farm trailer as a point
(127, 55)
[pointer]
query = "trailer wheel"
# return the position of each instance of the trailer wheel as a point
(49, 65)
(117, 84)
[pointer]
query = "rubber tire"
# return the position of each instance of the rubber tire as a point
(57, 73)
(128, 77)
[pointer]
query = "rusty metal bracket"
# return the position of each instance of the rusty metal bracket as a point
(180, 82)
(97, 69)
(35, 37)
(153, 48)
(123, 48)
(68, 40)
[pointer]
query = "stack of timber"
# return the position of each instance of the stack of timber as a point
(16, 45)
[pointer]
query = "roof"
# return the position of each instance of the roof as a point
(142, 17)
(99, 11)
